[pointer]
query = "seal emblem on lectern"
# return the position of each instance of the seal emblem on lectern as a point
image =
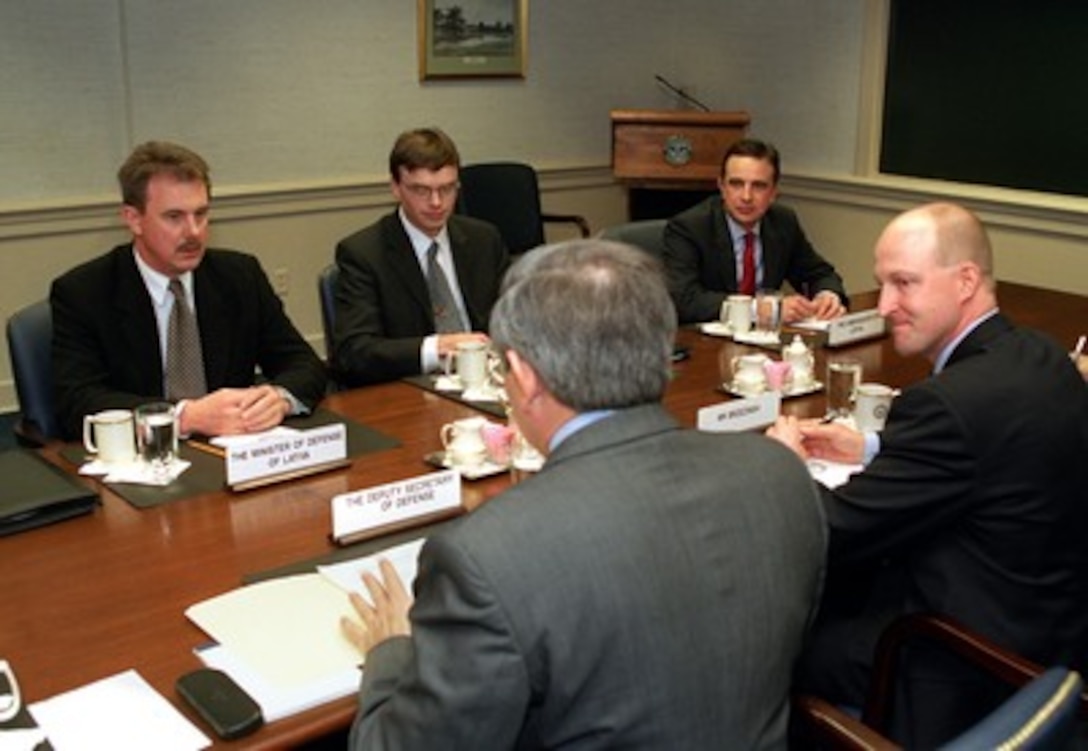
(677, 150)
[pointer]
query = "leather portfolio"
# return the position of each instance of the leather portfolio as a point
(34, 492)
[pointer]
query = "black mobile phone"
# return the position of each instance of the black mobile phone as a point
(230, 711)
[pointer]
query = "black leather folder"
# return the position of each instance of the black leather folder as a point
(33, 492)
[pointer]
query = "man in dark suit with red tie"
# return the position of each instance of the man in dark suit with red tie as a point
(742, 241)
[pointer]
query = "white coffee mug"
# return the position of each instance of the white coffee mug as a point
(463, 442)
(737, 310)
(470, 362)
(11, 703)
(110, 436)
(871, 405)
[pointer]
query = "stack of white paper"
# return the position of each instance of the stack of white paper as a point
(280, 639)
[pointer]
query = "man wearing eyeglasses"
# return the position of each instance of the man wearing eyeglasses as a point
(420, 280)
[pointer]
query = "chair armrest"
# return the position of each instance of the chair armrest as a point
(580, 221)
(1004, 665)
(827, 726)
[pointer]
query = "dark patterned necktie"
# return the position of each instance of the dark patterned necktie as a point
(184, 357)
(447, 319)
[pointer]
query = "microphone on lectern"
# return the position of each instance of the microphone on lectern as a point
(681, 93)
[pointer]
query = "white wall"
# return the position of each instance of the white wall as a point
(295, 104)
(290, 91)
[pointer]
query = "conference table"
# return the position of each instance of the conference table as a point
(103, 593)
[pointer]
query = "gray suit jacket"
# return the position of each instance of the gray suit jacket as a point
(649, 589)
(383, 308)
(702, 268)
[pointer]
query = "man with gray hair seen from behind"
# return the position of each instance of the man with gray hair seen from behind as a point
(649, 588)
(972, 501)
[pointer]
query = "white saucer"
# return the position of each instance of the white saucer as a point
(483, 394)
(759, 338)
(810, 388)
(486, 468)
(716, 328)
(447, 383)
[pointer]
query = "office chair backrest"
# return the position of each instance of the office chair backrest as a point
(507, 195)
(326, 292)
(1040, 716)
(648, 234)
(30, 345)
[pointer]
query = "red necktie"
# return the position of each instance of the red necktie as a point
(748, 279)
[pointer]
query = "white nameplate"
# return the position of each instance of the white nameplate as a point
(740, 414)
(853, 327)
(271, 456)
(364, 513)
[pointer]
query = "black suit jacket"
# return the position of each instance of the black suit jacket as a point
(383, 309)
(701, 262)
(975, 507)
(106, 350)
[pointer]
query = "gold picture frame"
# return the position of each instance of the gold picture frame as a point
(473, 38)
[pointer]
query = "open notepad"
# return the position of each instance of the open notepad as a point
(280, 639)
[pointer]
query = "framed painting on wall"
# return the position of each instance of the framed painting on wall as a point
(472, 38)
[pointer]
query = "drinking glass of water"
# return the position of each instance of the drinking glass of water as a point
(843, 379)
(157, 437)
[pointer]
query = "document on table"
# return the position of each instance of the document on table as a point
(811, 324)
(121, 712)
(280, 639)
(831, 474)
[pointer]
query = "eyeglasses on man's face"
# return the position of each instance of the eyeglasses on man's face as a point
(426, 192)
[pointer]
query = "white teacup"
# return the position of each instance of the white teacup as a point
(737, 313)
(109, 435)
(463, 442)
(749, 377)
(871, 405)
(470, 363)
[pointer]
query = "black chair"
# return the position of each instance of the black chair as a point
(648, 234)
(326, 292)
(1042, 713)
(30, 343)
(507, 195)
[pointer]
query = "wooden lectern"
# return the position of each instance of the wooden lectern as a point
(670, 150)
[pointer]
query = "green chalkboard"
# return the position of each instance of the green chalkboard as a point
(994, 93)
